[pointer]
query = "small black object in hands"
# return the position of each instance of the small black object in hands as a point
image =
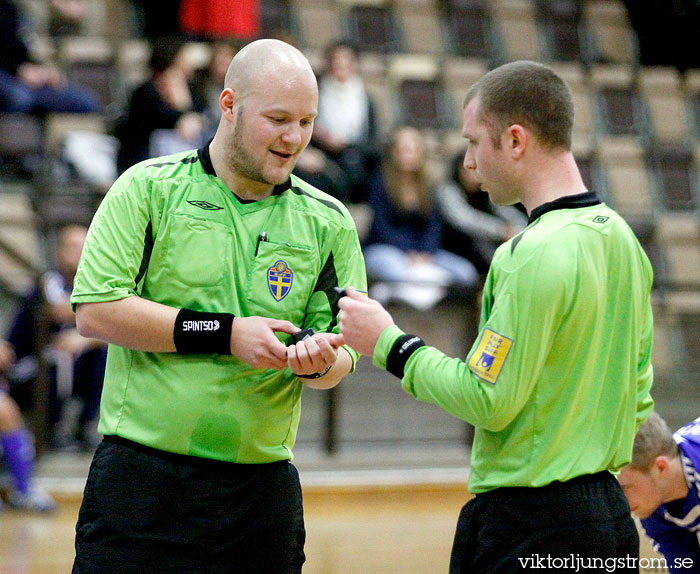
(340, 291)
(302, 335)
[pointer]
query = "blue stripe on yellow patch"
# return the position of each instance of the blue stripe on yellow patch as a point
(489, 356)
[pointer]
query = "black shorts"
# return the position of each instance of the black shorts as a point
(148, 511)
(582, 522)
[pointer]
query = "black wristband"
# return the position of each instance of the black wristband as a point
(400, 352)
(201, 333)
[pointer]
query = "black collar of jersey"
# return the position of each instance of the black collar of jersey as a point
(205, 159)
(567, 202)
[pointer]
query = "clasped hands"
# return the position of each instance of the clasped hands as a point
(362, 320)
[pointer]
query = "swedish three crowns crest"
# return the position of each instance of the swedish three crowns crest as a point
(279, 279)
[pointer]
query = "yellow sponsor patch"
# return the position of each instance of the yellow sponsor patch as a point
(487, 360)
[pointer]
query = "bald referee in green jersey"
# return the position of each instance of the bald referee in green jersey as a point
(197, 269)
(558, 378)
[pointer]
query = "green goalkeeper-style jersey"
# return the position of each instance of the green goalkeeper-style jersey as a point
(170, 231)
(558, 378)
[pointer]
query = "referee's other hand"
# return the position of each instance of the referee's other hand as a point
(253, 341)
(362, 320)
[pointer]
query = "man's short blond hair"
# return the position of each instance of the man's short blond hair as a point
(654, 438)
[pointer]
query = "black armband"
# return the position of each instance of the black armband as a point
(400, 352)
(201, 333)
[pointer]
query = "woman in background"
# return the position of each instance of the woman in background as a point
(403, 250)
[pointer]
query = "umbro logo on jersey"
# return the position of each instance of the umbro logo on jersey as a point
(600, 219)
(200, 325)
(204, 205)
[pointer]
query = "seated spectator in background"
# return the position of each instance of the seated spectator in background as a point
(17, 448)
(164, 102)
(30, 87)
(474, 226)
(662, 486)
(403, 249)
(208, 82)
(77, 363)
(346, 128)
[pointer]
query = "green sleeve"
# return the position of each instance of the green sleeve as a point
(119, 235)
(451, 384)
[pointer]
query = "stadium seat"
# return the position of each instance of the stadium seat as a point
(370, 25)
(318, 23)
(620, 112)
(91, 62)
(458, 75)
(419, 22)
(373, 71)
(562, 30)
(675, 176)
(416, 81)
(692, 96)
(21, 144)
(584, 124)
(678, 237)
(21, 256)
(610, 32)
(276, 18)
(664, 99)
(627, 182)
(518, 31)
(470, 29)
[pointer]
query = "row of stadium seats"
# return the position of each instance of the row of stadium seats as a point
(495, 30)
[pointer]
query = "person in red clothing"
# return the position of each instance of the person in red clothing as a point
(221, 18)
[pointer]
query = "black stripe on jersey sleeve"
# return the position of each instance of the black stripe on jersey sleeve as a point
(328, 279)
(325, 202)
(185, 160)
(146, 257)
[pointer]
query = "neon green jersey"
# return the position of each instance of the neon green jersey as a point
(559, 376)
(170, 231)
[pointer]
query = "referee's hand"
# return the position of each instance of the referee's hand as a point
(362, 320)
(253, 341)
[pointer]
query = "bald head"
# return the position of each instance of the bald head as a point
(265, 61)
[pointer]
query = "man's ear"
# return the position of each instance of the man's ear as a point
(516, 140)
(227, 100)
(661, 464)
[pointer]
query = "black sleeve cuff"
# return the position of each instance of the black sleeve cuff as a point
(400, 352)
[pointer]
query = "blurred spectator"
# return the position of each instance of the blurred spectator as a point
(208, 83)
(77, 363)
(655, 23)
(165, 102)
(346, 128)
(66, 17)
(221, 18)
(474, 226)
(403, 251)
(17, 447)
(26, 86)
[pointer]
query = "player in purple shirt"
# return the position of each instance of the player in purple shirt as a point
(662, 485)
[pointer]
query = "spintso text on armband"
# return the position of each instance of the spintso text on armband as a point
(198, 332)
(200, 326)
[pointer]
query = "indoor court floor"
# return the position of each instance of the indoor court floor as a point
(368, 530)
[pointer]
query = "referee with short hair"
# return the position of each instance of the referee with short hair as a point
(559, 376)
(197, 268)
